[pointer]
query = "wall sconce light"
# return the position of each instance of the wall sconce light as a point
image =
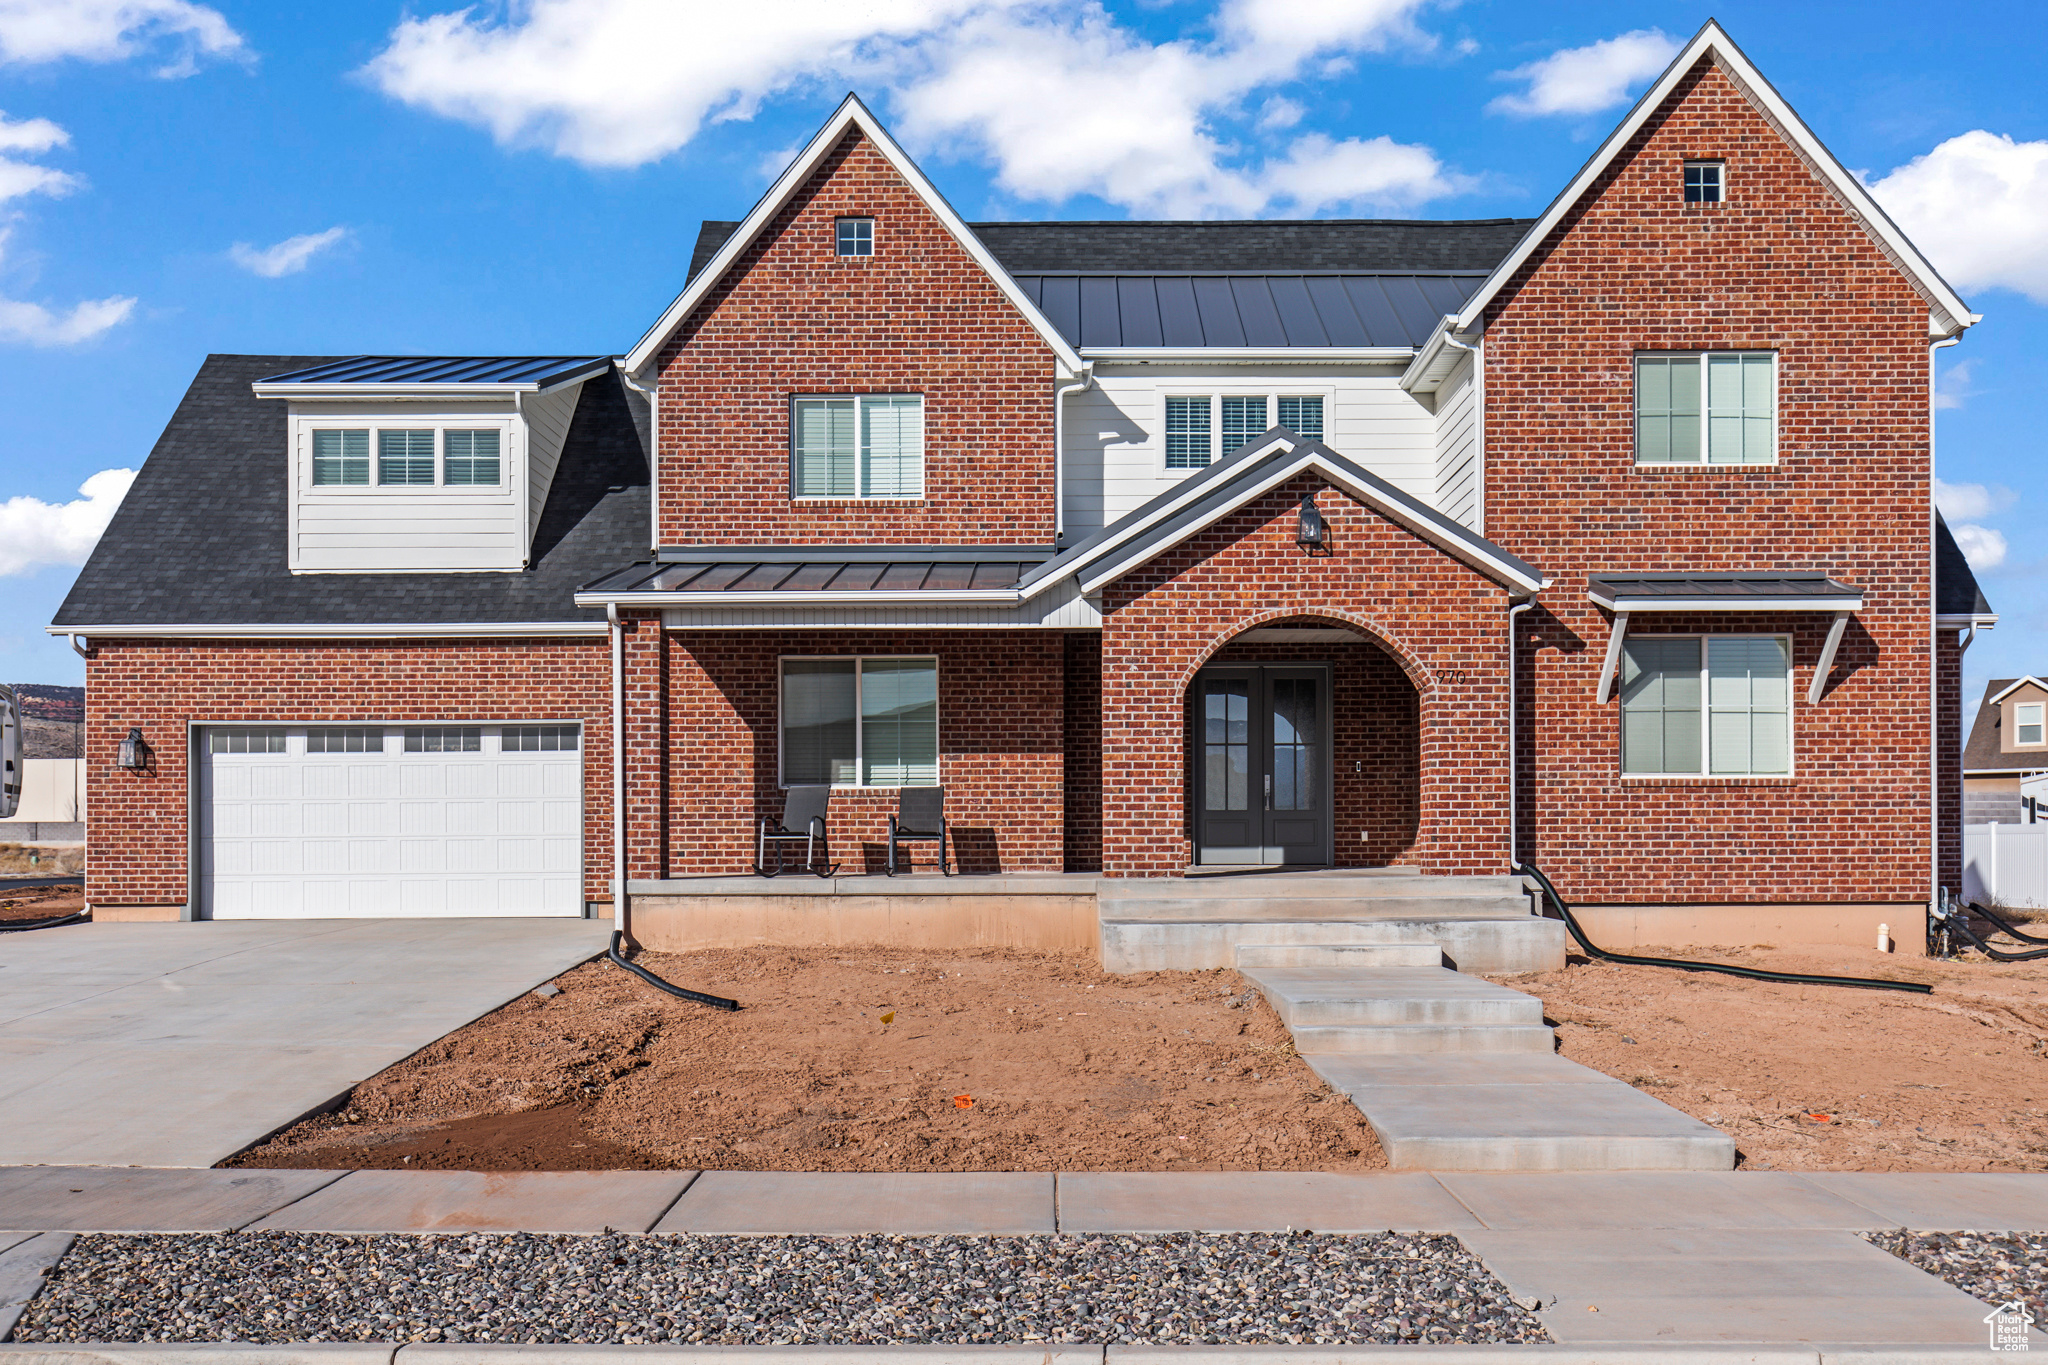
(1313, 535)
(134, 751)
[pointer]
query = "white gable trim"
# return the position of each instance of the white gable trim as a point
(2017, 685)
(1950, 314)
(850, 114)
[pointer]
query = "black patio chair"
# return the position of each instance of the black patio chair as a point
(920, 814)
(803, 817)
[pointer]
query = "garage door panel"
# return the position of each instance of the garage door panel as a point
(379, 831)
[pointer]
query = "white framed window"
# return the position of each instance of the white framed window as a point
(857, 446)
(341, 457)
(1706, 706)
(1705, 182)
(352, 739)
(2030, 723)
(469, 455)
(439, 455)
(405, 456)
(854, 236)
(1203, 428)
(860, 722)
(444, 739)
(265, 740)
(538, 739)
(1706, 407)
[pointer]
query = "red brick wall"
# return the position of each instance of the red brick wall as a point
(1948, 750)
(139, 825)
(1781, 266)
(1001, 723)
(793, 317)
(1083, 756)
(1441, 622)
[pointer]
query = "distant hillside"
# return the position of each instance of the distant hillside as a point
(46, 701)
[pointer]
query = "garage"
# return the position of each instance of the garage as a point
(383, 821)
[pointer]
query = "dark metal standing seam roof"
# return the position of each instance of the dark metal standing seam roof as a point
(542, 370)
(1093, 311)
(1678, 588)
(743, 576)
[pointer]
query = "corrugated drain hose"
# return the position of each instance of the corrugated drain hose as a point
(1959, 923)
(717, 1002)
(1571, 924)
(1984, 912)
(75, 917)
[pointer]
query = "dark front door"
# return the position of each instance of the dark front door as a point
(1261, 748)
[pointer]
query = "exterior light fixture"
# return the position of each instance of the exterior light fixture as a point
(1313, 536)
(134, 751)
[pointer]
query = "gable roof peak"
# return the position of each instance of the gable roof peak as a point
(851, 115)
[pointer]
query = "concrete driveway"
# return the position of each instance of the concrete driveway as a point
(181, 1044)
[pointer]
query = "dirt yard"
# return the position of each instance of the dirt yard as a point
(41, 902)
(1821, 1077)
(40, 860)
(853, 1060)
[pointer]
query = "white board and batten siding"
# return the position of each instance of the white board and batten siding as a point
(1457, 446)
(384, 832)
(1115, 433)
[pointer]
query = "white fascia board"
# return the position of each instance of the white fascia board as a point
(402, 392)
(313, 631)
(965, 596)
(1962, 620)
(1712, 41)
(1248, 355)
(1106, 570)
(2017, 685)
(850, 114)
(1437, 357)
(1643, 606)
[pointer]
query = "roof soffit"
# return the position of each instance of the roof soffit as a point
(1950, 314)
(850, 116)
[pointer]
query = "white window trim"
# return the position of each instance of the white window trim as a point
(859, 465)
(2017, 722)
(873, 236)
(859, 730)
(508, 451)
(1216, 392)
(1703, 161)
(1703, 463)
(1706, 701)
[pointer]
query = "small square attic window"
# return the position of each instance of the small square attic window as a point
(1703, 181)
(856, 236)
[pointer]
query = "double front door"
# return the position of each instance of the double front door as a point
(1261, 747)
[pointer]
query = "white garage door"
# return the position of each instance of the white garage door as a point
(300, 822)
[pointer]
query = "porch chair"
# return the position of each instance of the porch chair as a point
(803, 817)
(920, 814)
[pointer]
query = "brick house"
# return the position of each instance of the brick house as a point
(2005, 759)
(1602, 540)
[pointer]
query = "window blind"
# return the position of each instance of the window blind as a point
(1748, 704)
(470, 456)
(899, 717)
(1303, 415)
(819, 743)
(341, 457)
(892, 446)
(1668, 409)
(1739, 407)
(1187, 433)
(1660, 706)
(405, 456)
(1243, 420)
(826, 448)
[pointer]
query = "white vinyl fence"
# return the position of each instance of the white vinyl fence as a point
(2006, 863)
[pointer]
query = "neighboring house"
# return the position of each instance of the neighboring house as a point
(1602, 539)
(52, 803)
(2006, 754)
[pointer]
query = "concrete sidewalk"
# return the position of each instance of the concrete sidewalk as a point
(1615, 1258)
(181, 1044)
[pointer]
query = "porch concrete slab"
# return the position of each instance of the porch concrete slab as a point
(1354, 1071)
(22, 1268)
(1257, 1201)
(1747, 1284)
(485, 1201)
(181, 1044)
(1612, 1127)
(1980, 1201)
(833, 1203)
(108, 1199)
(1651, 1199)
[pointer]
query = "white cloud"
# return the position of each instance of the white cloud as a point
(34, 532)
(38, 326)
(1970, 501)
(34, 32)
(287, 257)
(1982, 546)
(1978, 206)
(32, 323)
(1956, 385)
(31, 135)
(1141, 124)
(1585, 80)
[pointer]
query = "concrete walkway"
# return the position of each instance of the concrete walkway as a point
(181, 1044)
(1616, 1259)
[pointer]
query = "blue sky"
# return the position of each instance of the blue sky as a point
(178, 178)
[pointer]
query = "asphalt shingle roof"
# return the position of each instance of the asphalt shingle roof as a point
(1955, 587)
(200, 538)
(1981, 752)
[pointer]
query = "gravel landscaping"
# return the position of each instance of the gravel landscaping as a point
(1299, 1288)
(1996, 1267)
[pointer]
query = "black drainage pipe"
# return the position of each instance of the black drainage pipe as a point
(75, 917)
(1959, 923)
(717, 1002)
(1571, 924)
(1985, 912)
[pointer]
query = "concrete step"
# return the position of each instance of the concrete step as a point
(1349, 885)
(1512, 1112)
(1311, 996)
(1395, 954)
(1314, 1041)
(1517, 943)
(1153, 909)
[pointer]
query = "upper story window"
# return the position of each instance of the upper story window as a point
(1706, 705)
(1195, 421)
(1711, 407)
(1705, 181)
(406, 456)
(866, 446)
(2030, 724)
(856, 236)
